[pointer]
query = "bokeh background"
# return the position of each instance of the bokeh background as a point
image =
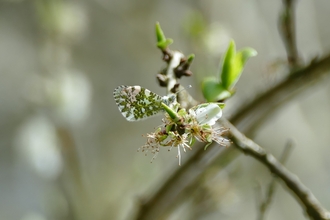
(67, 153)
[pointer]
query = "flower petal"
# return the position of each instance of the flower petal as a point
(208, 113)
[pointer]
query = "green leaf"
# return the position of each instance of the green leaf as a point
(163, 45)
(233, 65)
(213, 91)
(228, 66)
(171, 112)
(162, 41)
(190, 58)
(159, 33)
(245, 53)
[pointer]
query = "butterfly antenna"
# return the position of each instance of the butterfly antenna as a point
(190, 86)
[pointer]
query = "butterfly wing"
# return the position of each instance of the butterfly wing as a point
(136, 103)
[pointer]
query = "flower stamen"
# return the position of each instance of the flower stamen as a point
(188, 126)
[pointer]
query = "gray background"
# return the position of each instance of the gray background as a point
(65, 150)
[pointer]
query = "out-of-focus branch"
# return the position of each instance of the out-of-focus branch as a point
(247, 117)
(263, 206)
(287, 30)
(312, 206)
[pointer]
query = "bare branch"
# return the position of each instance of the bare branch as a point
(312, 206)
(287, 31)
(272, 186)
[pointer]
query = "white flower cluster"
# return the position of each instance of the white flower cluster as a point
(182, 131)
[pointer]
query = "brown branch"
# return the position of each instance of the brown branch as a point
(248, 116)
(287, 31)
(312, 206)
(253, 113)
(272, 185)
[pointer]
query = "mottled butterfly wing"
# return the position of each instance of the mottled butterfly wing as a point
(136, 103)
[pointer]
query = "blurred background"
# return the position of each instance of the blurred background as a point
(67, 153)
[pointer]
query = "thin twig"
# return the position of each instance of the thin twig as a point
(174, 189)
(287, 31)
(272, 185)
(312, 206)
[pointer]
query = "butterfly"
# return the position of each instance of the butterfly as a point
(136, 103)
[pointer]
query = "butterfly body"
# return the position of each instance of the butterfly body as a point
(136, 103)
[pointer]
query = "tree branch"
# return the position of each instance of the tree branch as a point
(272, 185)
(287, 31)
(246, 118)
(312, 206)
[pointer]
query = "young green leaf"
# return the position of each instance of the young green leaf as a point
(245, 53)
(233, 65)
(228, 66)
(162, 41)
(190, 58)
(174, 115)
(213, 91)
